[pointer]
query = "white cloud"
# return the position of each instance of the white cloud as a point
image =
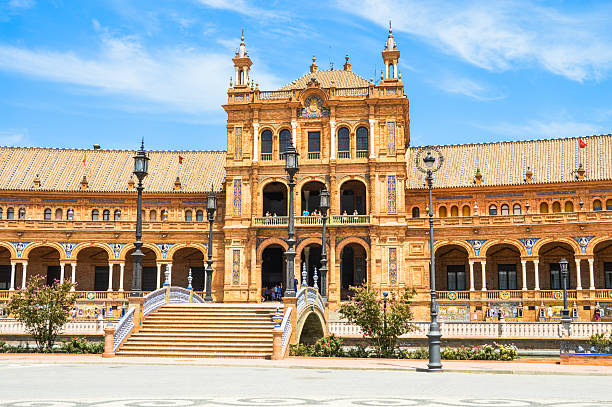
(503, 35)
(183, 79)
(13, 137)
(21, 4)
(537, 129)
(467, 87)
(242, 7)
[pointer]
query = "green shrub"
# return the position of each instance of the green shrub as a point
(358, 352)
(82, 345)
(419, 353)
(328, 346)
(482, 352)
(601, 342)
(300, 350)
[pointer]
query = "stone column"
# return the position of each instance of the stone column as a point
(110, 277)
(524, 267)
(24, 270)
(12, 287)
(471, 276)
(73, 279)
(591, 274)
(169, 267)
(578, 277)
(536, 269)
(255, 141)
(294, 133)
(62, 275)
(158, 275)
(372, 125)
(332, 128)
(121, 272)
(484, 275)
(237, 76)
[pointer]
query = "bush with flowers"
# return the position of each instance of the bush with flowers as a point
(328, 346)
(82, 345)
(380, 327)
(495, 351)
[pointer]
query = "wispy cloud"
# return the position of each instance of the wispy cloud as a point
(183, 79)
(503, 35)
(21, 4)
(13, 137)
(538, 129)
(242, 7)
(467, 87)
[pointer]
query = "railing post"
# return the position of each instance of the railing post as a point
(109, 335)
(277, 344)
(137, 303)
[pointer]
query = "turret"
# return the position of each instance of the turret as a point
(242, 64)
(390, 57)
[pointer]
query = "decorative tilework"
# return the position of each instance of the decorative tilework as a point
(116, 247)
(392, 265)
(529, 243)
(583, 241)
(238, 143)
(20, 247)
(391, 138)
(68, 248)
(313, 107)
(164, 247)
(476, 244)
(235, 267)
(237, 197)
(391, 194)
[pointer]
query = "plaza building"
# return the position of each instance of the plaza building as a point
(505, 213)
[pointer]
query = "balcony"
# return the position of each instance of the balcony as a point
(98, 225)
(518, 295)
(334, 220)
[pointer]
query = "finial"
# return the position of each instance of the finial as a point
(242, 36)
(314, 59)
(142, 144)
(346, 57)
(390, 30)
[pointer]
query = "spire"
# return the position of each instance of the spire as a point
(242, 52)
(242, 64)
(390, 57)
(390, 46)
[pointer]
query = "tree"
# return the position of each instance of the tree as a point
(366, 309)
(43, 309)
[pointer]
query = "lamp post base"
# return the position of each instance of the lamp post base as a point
(433, 337)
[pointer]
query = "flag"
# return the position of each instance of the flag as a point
(180, 159)
(83, 159)
(583, 143)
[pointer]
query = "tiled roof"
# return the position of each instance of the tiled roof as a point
(505, 163)
(341, 78)
(108, 170)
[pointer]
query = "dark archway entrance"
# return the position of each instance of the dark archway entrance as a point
(312, 330)
(311, 196)
(353, 268)
(353, 198)
(452, 268)
(185, 260)
(5, 269)
(275, 199)
(272, 266)
(311, 259)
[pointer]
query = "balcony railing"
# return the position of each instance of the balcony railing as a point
(348, 220)
(344, 154)
(362, 154)
(266, 156)
(121, 225)
(517, 295)
(314, 156)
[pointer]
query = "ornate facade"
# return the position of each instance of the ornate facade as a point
(505, 213)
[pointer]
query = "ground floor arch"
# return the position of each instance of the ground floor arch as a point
(550, 255)
(452, 268)
(353, 268)
(149, 270)
(504, 267)
(185, 260)
(43, 261)
(5, 269)
(272, 269)
(602, 264)
(93, 272)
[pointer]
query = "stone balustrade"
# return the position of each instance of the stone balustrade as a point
(9, 326)
(334, 220)
(97, 225)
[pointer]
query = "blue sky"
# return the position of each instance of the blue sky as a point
(75, 73)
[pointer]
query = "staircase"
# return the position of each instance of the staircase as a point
(204, 331)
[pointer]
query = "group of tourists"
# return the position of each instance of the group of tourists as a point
(274, 293)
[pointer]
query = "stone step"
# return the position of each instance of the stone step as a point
(211, 318)
(200, 334)
(192, 340)
(222, 324)
(254, 355)
(220, 348)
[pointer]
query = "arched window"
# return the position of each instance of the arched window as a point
(153, 216)
(442, 212)
(117, 215)
(597, 205)
(416, 212)
(543, 207)
(10, 213)
(95, 214)
(466, 210)
(106, 214)
(266, 145)
(47, 214)
(609, 205)
(344, 143)
(516, 209)
(59, 214)
(188, 217)
(200, 215)
(70, 214)
(454, 210)
(22, 213)
(164, 215)
(492, 210)
(569, 206)
(556, 207)
(284, 139)
(362, 143)
(505, 209)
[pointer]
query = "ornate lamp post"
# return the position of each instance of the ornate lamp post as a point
(429, 164)
(141, 165)
(565, 313)
(324, 205)
(291, 166)
(211, 207)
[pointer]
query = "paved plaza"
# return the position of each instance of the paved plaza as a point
(67, 382)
